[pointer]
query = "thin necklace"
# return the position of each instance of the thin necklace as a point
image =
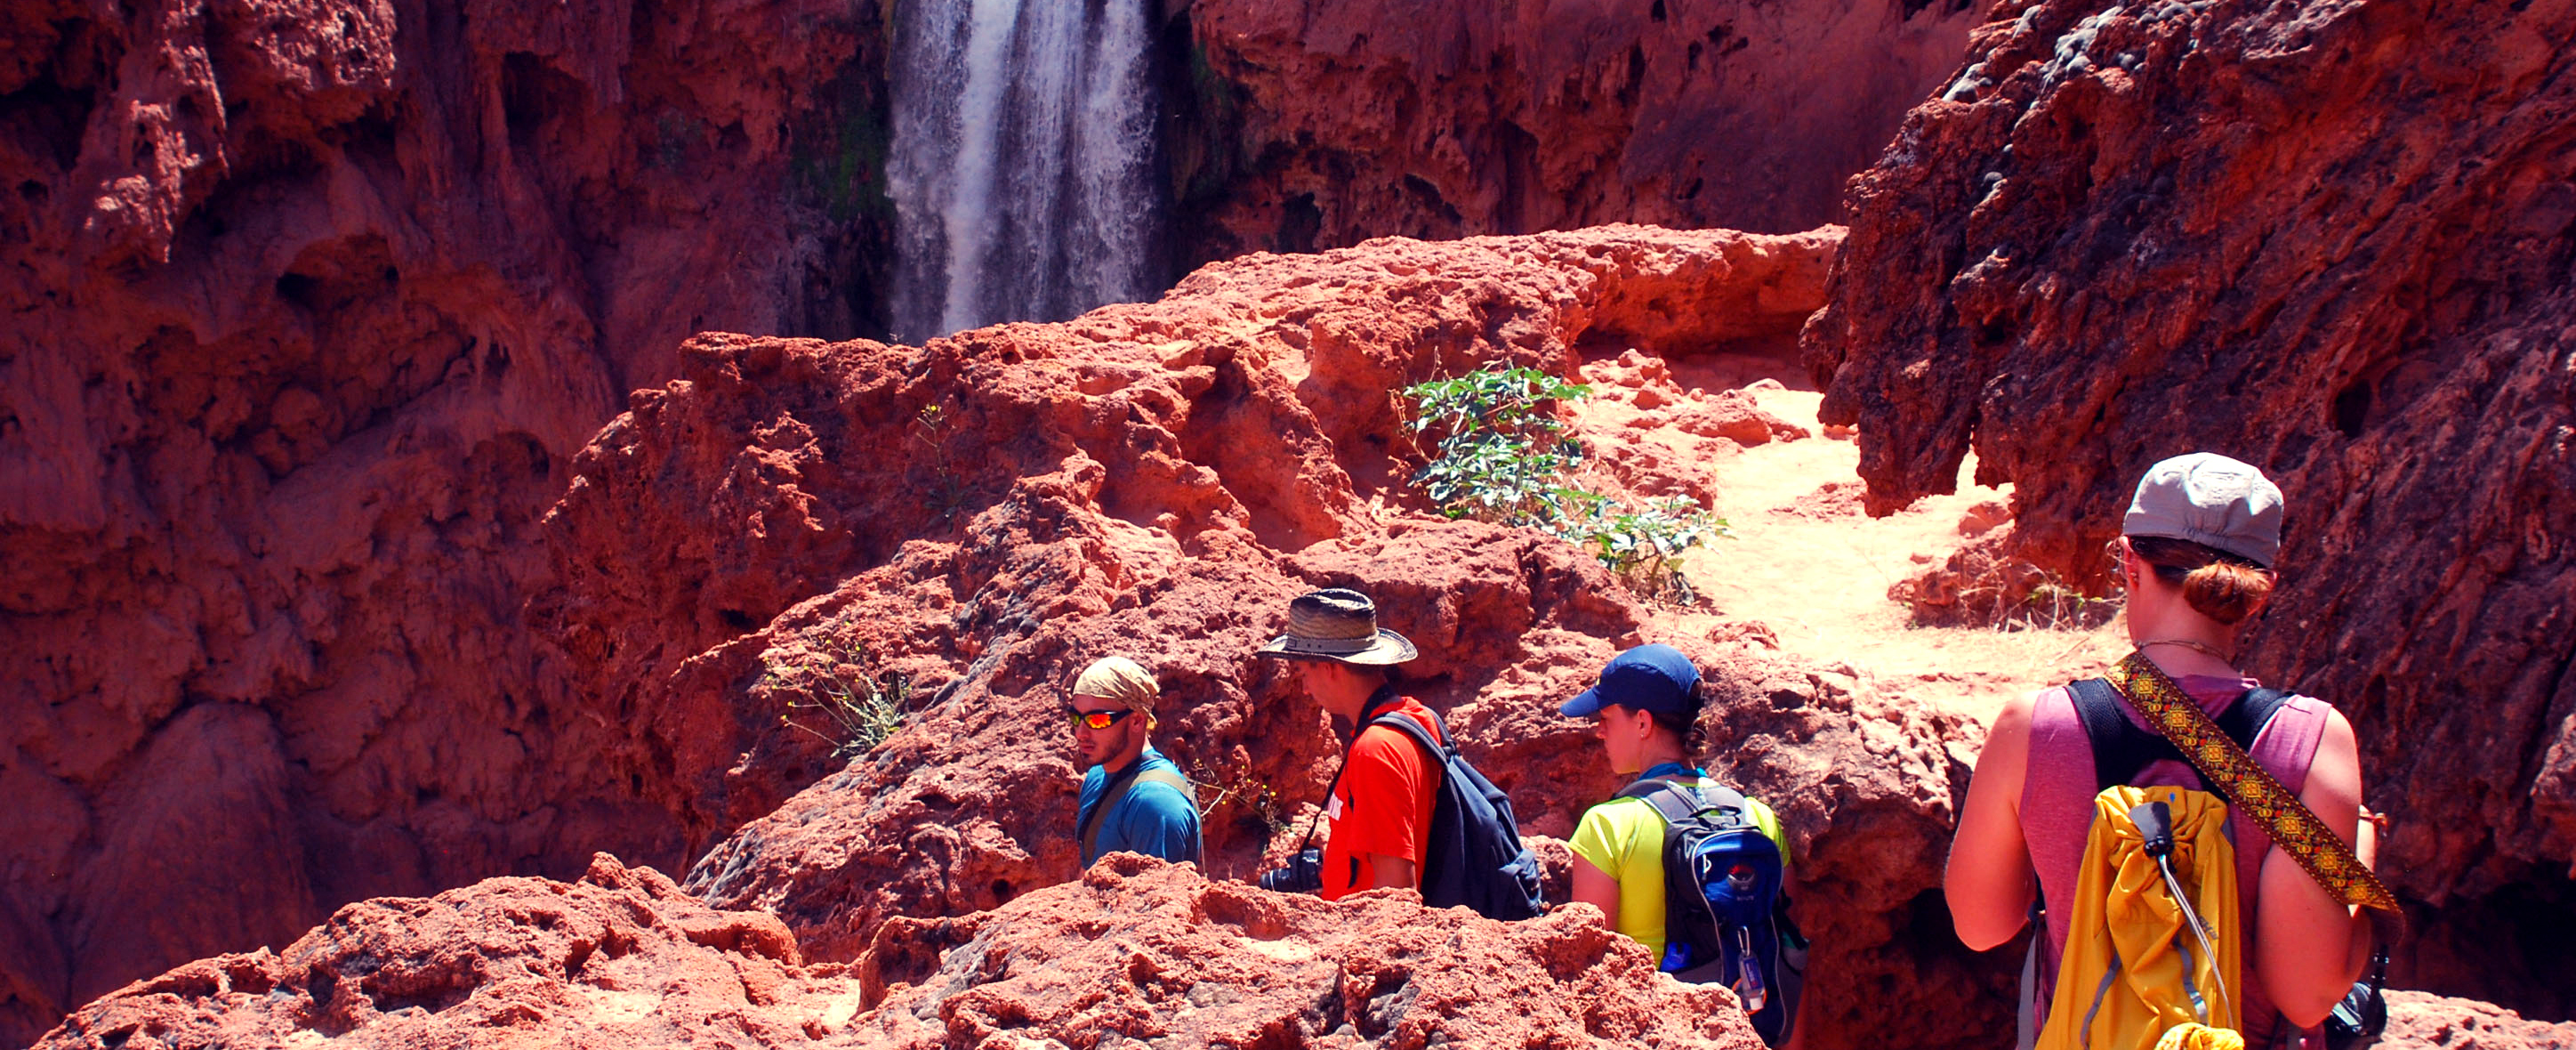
(2197, 647)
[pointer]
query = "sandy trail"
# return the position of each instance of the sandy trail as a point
(1806, 561)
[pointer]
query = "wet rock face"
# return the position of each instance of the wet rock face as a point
(1319, 123)
(309, 304)
(2336, 242)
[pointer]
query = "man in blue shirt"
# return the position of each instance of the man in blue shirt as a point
(1133, 798)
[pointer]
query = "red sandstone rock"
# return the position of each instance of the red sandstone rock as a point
(1833, 499)
(619, 958)
(1319, 123)
(313, 562)
(1130, 478)
(1647, 437)
(1987, 583)
(1157, 482)
(2418, 1021)
(2333, 241)
(1137, 949)
(308, 303)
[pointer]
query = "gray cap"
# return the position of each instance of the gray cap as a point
(2210, 500)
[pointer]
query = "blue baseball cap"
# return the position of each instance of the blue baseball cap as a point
(1647, 678)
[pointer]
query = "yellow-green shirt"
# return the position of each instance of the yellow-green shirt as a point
(1624, 837)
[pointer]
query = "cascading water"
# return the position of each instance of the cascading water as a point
(1022, 167)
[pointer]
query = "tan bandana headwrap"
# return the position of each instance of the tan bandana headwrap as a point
(1121, 679)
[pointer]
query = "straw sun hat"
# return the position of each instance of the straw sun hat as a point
(1340, 625)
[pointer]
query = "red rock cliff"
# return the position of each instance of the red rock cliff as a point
(308, 306)
(1324, 122)
(1319, 123)
(2335, 240)
(311, 302)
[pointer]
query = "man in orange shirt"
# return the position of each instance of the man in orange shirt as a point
(1380, 807)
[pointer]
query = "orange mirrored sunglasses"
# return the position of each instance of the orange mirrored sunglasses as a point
(1097, 720)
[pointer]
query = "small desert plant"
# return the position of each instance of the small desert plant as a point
(1984, 587)
(1238, 784)
(948, 491)
(846, 701)
(1645, 546)
(1496, 450)
(2055, 605)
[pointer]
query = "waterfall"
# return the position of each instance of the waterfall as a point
(1022, 164)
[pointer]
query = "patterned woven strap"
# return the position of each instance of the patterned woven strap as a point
(2294, 828)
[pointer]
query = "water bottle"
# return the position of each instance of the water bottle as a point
(1748, 970)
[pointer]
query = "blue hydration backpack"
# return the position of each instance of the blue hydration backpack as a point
(1725, 920)
(1472, 852)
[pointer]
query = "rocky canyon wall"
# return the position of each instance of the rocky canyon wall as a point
(1319, 123)
(979, 517)
(2337, 240)
(309, 305)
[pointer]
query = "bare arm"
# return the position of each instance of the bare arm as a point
(1597, 888)
(1989, 881)
(2308, 946)
(1387, 871)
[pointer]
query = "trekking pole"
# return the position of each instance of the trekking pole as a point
(2155, 832)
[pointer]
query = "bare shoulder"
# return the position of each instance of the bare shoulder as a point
(2012, 723)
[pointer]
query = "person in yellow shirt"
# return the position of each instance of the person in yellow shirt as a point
(1645, 709)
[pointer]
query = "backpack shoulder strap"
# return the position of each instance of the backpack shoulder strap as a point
(2118, 753)
(1405, 724)
(2244, 720)
(1168, 779)
(2121, 749)
(1679, 802)
(1110, 796)
(1439, 753)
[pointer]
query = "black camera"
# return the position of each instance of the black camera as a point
(1303, 873)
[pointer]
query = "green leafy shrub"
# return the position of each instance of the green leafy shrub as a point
(1497, 452)
(846, 702)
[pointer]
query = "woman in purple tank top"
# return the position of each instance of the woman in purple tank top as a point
(2195, 556)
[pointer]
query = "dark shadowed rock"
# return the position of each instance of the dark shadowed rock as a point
(2336, 241)
(308, 305)
(1305, 124)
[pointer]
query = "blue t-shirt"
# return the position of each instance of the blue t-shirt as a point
(1157, 820)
